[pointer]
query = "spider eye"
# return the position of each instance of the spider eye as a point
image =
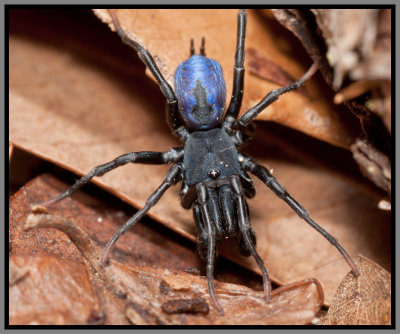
(200, 89)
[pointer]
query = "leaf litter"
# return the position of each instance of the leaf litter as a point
(78, 134)
(65, 283)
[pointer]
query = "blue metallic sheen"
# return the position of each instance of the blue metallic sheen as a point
(201, 91)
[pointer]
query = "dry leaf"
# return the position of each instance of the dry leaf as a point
(265, 68)
(64, 283)
(52, 292)
(143, 303)
(10, 150)
(166, 42)
(362, 301)
(359, 49)
(146, 245)
(358, 43)
(299, 22)
(84, 104)
(374, 164)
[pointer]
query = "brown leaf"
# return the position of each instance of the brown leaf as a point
(267, 69)
(16, 274)
(357, 59)
(374, 164)
(298, 21)
(357, 45)
(52, 292)
(140, 287)
(293, 304)
(365, 300)
(197, 305)
(166, 41)
(113, 294)
(82, 106)
(10, 150)
(146, 245)
(359, 50)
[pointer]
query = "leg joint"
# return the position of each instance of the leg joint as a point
(236, 186)
(202, 194)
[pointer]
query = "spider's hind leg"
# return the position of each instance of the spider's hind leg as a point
(173, 176)
(246, 232)
(227, 205)
(264, 175)
(209, 229)
(202, 241)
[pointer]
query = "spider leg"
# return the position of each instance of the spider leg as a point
(174, 175)
(215, 212)
(244, 226)
(264, 175)
(173, 119)
(210, 231)
(146, 157)
(202, 240)
(274, 94)
(227, 207)
(238, 74)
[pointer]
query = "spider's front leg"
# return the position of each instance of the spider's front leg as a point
(173, 118)
(273, 95)
(238, 72)
(265, 176)
(146, 157)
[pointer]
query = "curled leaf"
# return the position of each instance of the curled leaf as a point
(121, 294)
(365, 300)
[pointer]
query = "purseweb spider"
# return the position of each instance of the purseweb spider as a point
(214, 174)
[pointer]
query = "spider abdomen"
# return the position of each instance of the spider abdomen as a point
(201, 91)
(210, 155)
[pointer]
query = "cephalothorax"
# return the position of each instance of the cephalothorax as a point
(213, 172)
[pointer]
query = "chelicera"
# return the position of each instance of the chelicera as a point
(214, 174)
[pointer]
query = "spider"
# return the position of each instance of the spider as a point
(214, 174)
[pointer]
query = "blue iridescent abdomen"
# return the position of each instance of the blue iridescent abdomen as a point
(200, 89)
